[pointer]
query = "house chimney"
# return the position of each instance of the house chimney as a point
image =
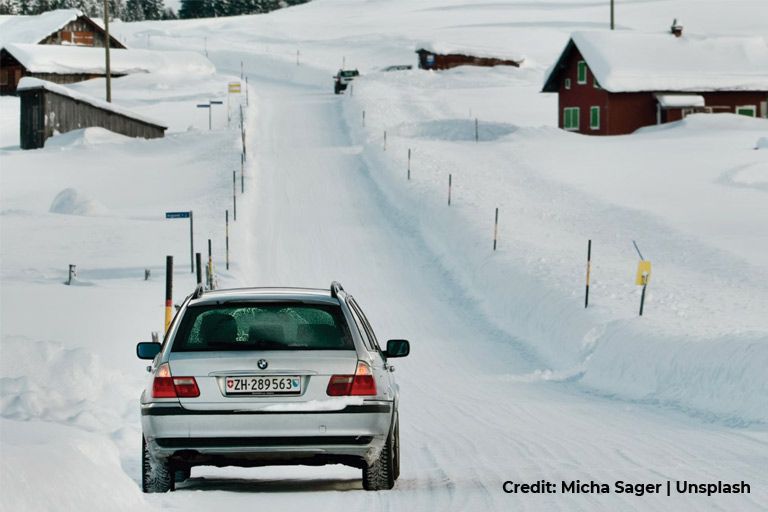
(675, 29)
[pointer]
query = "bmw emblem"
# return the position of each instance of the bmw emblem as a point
(263, 364)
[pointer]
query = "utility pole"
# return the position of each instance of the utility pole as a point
(106, 48)
(612, 10)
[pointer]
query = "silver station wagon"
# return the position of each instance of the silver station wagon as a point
(270, 376)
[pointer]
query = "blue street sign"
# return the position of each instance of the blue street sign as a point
(176, 215)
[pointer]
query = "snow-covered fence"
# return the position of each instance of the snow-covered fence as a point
(48, 108)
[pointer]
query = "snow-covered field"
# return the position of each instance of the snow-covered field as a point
(510, 378)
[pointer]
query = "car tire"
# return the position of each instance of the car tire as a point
(380, 475)
(156, 476)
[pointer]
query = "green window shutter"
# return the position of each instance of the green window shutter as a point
(571, 118)
(747, 110)
(594, 118)
(582, 72)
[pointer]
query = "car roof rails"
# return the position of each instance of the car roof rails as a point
(198, 291)
(335, 289)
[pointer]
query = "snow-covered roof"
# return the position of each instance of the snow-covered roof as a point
(27, 83)
(450, 48)
(33, 29)
(626, 61)
(89, 60)
(680, 100)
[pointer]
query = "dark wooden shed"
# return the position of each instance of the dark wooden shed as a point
(429, 59)
(48, 108)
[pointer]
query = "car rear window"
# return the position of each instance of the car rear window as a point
(262, 326)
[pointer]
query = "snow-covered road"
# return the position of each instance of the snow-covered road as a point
(476, 408)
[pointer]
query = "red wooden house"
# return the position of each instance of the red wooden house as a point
(614, 82)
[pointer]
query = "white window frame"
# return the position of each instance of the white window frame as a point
(592, 126)
(746, 107)
(586, 74)
(565, 118)
(567, 83)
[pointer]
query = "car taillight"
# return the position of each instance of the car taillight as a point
(361, 383)
(167, 386)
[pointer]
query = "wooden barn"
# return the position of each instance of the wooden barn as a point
(614, 82)
(62, 26)
(48, 108)
(451, 56)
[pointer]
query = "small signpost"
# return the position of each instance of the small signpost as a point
(186, 215)
(168, 291)
(233, 88)
(209, 106)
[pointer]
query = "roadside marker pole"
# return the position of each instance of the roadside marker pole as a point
(234, 195)
(477, 131)
(191, 244)
(642, 295)
(409, 163)
(450, 182)
(363, 118)
(246, 91)
(199, 266)
(210, 266)
(385, 140)
(297, 57)
(168, 291)
(589, 269)
(72, 273)
(496, 229)
(226, 235)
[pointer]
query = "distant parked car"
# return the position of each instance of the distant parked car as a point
(397, 67)
(343, 78)
(265, 376)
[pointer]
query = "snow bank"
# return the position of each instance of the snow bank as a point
(64, 59)
(71, 202)
(54, 467)
(455, 130)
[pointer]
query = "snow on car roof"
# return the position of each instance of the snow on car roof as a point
(28, 82)
(626, 61)
(80, 59)
(33, 29)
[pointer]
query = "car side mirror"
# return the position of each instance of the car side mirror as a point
(398, 348)
(147, 349)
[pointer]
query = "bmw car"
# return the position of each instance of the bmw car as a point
(270, 376)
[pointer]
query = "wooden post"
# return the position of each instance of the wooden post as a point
(496, 229)
(168, 291)
(71, 274)
(226, 235)
(613, 26)
(199, 267)
(589, 270)
(209, 272)
(234, 196)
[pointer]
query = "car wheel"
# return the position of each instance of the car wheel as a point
(380, 475)
(156, 476)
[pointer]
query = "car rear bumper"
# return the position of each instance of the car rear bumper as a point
(353, 434)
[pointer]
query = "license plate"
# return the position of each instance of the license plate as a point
(252, 385)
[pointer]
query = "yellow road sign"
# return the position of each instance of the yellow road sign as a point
(643, 272)
(234, 87)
